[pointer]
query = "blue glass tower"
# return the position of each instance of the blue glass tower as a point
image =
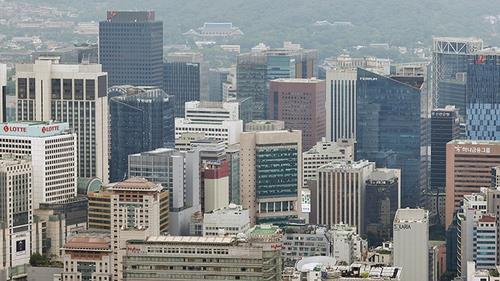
(389, 127)
(483, 96)
(142, 119)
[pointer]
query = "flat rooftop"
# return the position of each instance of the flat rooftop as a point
(411, 215)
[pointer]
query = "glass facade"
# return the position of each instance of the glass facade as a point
(140, 122)
(251, 72)
(131, 49)
(280, 66)
(452, 92)
(389, 128)
(182, 80)
(276, 171)
(483, 97)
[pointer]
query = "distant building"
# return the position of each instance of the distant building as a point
(131, 48)
(251, 71)
(215, 31)
(483, 96)
(449, 59)
(3, 92)
(267, 158)
(411, 238)
(185, 76)
(151, 111)
(294, 248)
(77, 54)
(300, 103)
(463, 178)
(264, 125)
(216, 78)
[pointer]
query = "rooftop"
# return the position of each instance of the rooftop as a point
(298, 80)
(96, 242)
(411, 215)
(475, 142)
(190, 240)
(136, 184)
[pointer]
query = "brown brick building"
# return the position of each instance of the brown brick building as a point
(300, 103)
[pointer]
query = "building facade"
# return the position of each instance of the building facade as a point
(464, 178)
(339, 196)
(142, 119)
(228, 221)
(270, 175)
(53, 151)
(76, 94)
(300, 103)
(389, 124)
(131, 48)
(411, 238)
(251, 81)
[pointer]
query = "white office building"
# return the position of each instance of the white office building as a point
(16, 216)
(76, 94)
(227, 221)
(217, 120)
(411, 238)
(325, 152)
(341, 77)
(53, 151)
(348, 246)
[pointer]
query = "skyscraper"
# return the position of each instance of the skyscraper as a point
(270, 175)
(389, 127)
(483, 95)
(301, 104)
(411, 238)
(449, 59)
(445, 126)
(251, 81)
(341, 76)
(185, 76)
(216, 78)
(142, 119)
(131, 48)
(3, 92)
(76, 94)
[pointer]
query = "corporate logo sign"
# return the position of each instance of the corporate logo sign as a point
(33, 130)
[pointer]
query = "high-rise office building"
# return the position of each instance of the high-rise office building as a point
(47, 90)
(383, 187)
(233, 160)
(3, 92)
(142, 119)
(325, 152)
(300, 103)
(270, 175)
(483, 95)
(131, 48)
(215, 185)
(389, 125)
(16, 216)
(341, 76)
(139, 208)
(339, 196)
(445, 127)
(251, 81)
(411, 238)
(53, 152)
(185, 75)
(449, 59)
(179, 173)
(468, 168)
(217, 120)
(216, 79)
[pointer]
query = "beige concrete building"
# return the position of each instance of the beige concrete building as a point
(87, 257)
(47, 90)
(271, 175)
(468, 168)
(264, 125)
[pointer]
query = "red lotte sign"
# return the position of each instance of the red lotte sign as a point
(52, 128)
(14, 129)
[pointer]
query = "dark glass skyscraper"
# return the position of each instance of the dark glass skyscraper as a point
(445, 127)
(251, 81)
(142, 119)
(483, 96)
(131, 48)
(389, 127)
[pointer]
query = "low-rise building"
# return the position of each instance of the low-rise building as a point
(229, 221)
(301, 240)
